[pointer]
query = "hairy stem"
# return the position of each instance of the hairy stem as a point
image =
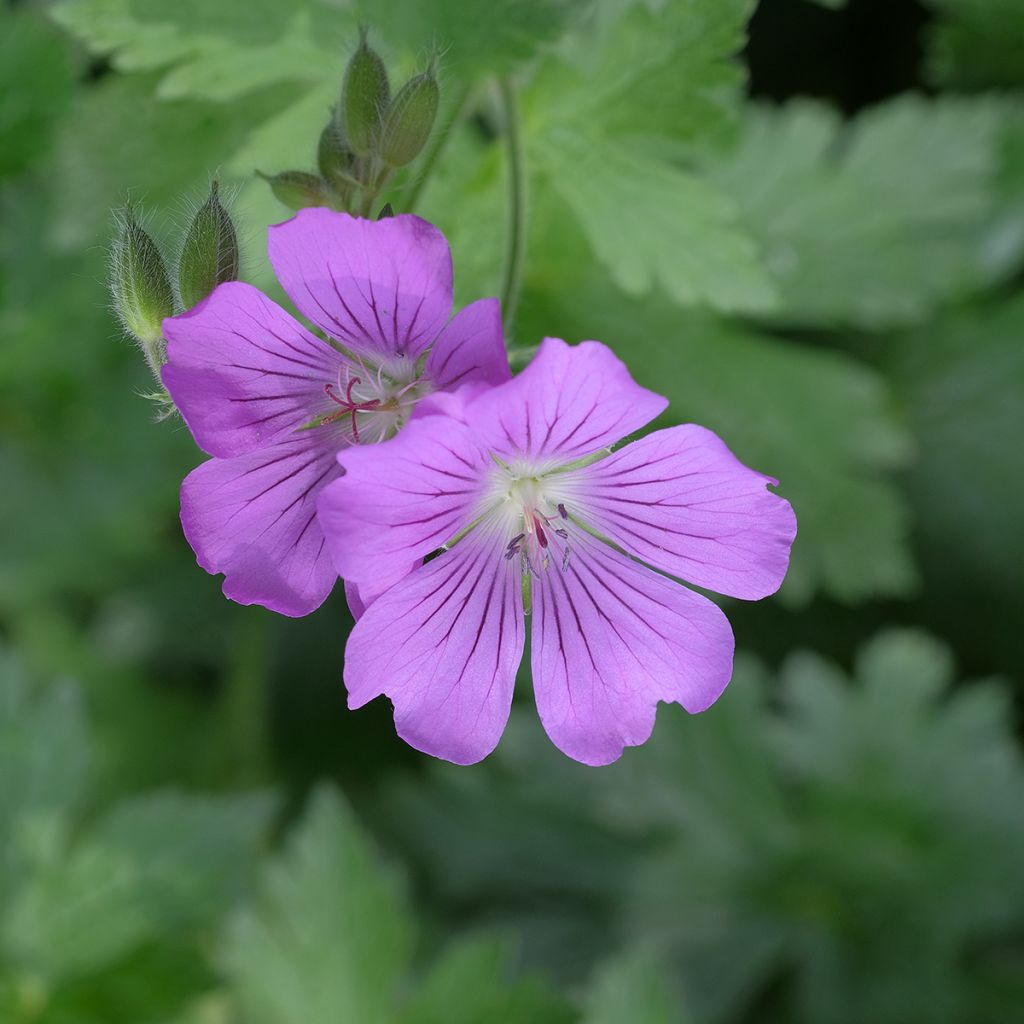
(516, 247)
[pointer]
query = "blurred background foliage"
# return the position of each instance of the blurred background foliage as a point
(804, 223)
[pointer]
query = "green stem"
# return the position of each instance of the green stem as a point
(516, 250)
(438, 144)
(376, 183)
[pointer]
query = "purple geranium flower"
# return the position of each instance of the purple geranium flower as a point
(523, 496)
(273, 403)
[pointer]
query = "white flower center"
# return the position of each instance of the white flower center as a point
(374, 403)
(530, 504)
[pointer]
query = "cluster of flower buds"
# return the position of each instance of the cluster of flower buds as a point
(147, 287)
(369, 136)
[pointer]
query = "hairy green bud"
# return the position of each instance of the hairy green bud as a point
(335, 160)
(364, 98)
(298, 189)
(140, 286)
(410, 120)
(209, 255)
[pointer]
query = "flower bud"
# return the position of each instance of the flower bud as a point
(409, 120)
(141, 286)
(364, 98)
(387, 210)
(297, 189)
(335, 160)
(209, 255)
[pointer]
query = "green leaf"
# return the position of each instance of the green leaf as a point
(150, 868)
(45, 754)
(472, 47)
(874, 224)
(601, 117)
(329, 938)
(961, 379)
(652, 224)
(470, 984)
(631, 988)
(36, 79)
(893, 827)
(975, 44)
(118, 140)
(637, 70)
(213, 52)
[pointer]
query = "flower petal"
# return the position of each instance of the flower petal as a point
(570, 401)
(253, 518)
(356, 604)
(244, 373)
(682, 501)
(444, 644)
(610, 639)
(400, 500)
(382, 288)
(470, 348)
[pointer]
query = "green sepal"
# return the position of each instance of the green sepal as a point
(410, 120)
(364, 98)
(209, 254)
(335, 160)
(299, 189)
(140, 286)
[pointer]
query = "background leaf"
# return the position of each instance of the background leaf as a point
(331, 936)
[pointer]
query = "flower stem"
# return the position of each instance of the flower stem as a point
(372, 190)
(516, 250)
(437, 147)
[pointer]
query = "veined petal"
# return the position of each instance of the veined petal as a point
(471, 348)
(253, 518)
(444, 644)
(682, 501)
(382, 288)
(243, 373)
(398, 501)
(570, 401)
(610, 639)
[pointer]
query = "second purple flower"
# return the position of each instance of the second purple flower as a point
(274, 403)
(527, 504)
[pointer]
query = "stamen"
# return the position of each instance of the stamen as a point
(349, 407)
(562, 512)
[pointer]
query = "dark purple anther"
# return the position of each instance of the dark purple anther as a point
(562, 512)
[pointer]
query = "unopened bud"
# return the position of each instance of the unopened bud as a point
(364, 98)
(387, 210)
(141, 286)
(298, 189)
(209, 255)
(335, 160)
(409, 120)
